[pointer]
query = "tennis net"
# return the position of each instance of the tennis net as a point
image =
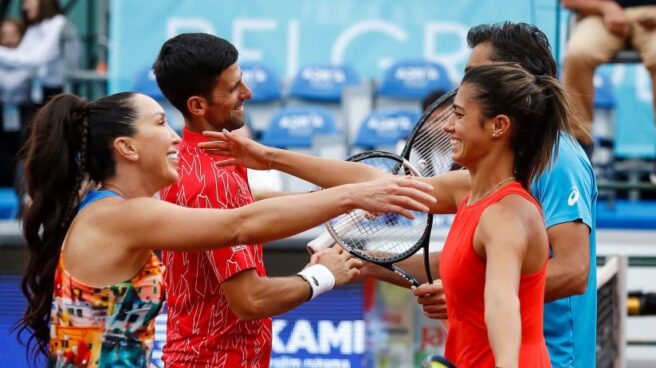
(611, 312)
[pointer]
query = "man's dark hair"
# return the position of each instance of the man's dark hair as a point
(190, 65)
(431, 97)
(519, 43)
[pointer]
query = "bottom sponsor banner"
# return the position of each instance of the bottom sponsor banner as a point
(327, 332)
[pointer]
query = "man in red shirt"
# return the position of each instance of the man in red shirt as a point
(219, 301)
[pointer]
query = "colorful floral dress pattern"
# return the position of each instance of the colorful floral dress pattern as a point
(110, 326)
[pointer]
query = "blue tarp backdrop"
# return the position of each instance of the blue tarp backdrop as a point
(365, 35)
(288, 34)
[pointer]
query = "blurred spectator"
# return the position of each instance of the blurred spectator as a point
(41, 46)
(11, 32)
(605, 27)
(31, 73)
(14, 102)
(14, 80)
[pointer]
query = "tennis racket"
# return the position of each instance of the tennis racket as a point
(381, 239)
(325, 240)
(428, 147)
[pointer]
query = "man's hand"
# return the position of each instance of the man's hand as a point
(647, 21)
(615, 19)
(432, 300)
(343, 265)
(315, 258)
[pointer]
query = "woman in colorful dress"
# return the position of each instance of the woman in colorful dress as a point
(504, 126)
(93, 283)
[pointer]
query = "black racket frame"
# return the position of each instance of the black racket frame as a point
(423, 241)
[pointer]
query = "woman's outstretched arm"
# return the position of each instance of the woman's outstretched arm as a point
(154, 224)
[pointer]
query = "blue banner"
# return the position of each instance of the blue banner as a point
(289, 34)
(325, 332)
(367, 36)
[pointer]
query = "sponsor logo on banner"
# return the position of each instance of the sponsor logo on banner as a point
(390, 125)
(301, 124)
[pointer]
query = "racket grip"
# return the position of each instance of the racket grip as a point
(321, 242)
(325, 240)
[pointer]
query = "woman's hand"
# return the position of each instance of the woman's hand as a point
(398, 194)
(243, 151)
(432, 300)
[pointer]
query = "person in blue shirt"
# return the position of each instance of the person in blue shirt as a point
(568, 194)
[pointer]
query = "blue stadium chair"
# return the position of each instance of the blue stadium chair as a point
(323, 85)
(603, 128)
(383, 129)
(604, 94)
(146, 84)
(407, 82)
(297, 128)
(262, 80)
(635, 137)
(322, 82)
(8, 204)
(267, 95)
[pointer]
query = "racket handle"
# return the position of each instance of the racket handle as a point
(325, 240)
(321, 242)
(413, 281)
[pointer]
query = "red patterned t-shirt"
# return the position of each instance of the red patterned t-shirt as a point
(202, 330)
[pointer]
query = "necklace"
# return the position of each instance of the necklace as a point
(492, 189)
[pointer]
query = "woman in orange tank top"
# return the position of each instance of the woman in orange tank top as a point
(493, 265)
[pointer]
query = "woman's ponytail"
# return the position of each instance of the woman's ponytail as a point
(53, 174)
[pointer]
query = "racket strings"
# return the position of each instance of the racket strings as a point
(381, 237)
(430, 148)
(360, 228)
(384, 238)
(426, 146)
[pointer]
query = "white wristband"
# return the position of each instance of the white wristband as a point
(320, 279)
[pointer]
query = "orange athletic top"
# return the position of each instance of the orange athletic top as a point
(463, 277)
